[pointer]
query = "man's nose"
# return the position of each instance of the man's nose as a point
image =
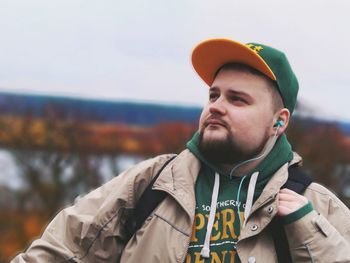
(218, 107)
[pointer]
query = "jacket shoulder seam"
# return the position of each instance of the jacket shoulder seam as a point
(172, 225)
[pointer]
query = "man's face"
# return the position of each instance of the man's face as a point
(238, 118)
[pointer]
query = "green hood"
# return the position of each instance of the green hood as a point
(279, 155)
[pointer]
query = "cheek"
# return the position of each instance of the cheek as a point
(242, 120)
(249, 126)
(256, 131)
(253, 117)
(203, 116)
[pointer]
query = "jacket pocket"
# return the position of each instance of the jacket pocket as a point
(323, 225)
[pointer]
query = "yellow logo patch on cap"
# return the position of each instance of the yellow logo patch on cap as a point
(255, 48)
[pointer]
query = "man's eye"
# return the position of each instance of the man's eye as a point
(238, 99)
(213, 97)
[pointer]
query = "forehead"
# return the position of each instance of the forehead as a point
(241, 81)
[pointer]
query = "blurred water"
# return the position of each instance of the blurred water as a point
(9, 172)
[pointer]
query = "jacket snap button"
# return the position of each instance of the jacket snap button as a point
(254, 228)
(251, 260)
(270, 210)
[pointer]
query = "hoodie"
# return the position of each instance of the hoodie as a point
(214, 237)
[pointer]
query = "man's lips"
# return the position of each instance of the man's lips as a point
(212, 121)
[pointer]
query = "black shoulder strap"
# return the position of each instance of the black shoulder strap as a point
(148, 201)
(297, 181)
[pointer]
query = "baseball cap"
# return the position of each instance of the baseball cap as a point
(209, 55)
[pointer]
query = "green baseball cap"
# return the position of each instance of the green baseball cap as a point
(209, 55)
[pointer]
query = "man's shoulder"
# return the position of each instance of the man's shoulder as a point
(325, 201)
(137, 177)
(146, 168)
(160, 160)
(129, 184)
(319, 191)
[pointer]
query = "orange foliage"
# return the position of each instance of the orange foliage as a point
(323, 148)
(32, 133)
(16, 229)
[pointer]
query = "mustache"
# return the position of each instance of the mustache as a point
(215, 120)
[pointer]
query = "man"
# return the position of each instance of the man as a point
(222, 191)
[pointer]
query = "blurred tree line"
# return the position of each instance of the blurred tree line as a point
(58, 160)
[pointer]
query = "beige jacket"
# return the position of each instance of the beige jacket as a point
(93, 229)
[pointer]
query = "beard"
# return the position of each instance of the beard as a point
(226, 150)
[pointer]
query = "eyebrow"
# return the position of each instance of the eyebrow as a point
(230, 91)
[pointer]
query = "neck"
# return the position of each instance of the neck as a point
(244, 167)
(242, 170)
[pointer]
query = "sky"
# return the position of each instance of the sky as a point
(140, 50)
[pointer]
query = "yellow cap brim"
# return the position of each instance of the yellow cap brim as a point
(210, 55)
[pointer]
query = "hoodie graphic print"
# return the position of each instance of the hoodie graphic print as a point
(226, 227)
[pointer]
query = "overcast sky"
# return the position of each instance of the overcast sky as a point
(140, 50)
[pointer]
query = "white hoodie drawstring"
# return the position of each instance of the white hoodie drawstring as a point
(205, 252)
(237, 199)
(250, 196)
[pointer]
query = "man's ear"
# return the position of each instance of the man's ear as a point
(281, 121)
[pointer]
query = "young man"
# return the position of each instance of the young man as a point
(222, 191)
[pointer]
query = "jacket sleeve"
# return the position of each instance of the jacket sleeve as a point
(92, 230)
(322, 235)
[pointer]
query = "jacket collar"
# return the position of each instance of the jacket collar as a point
(275, 183)
(178, 179)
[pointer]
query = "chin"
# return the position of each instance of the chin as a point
(214, 134)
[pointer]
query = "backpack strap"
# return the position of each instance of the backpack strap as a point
(149, 199)
(297, 181)
(147, 202)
